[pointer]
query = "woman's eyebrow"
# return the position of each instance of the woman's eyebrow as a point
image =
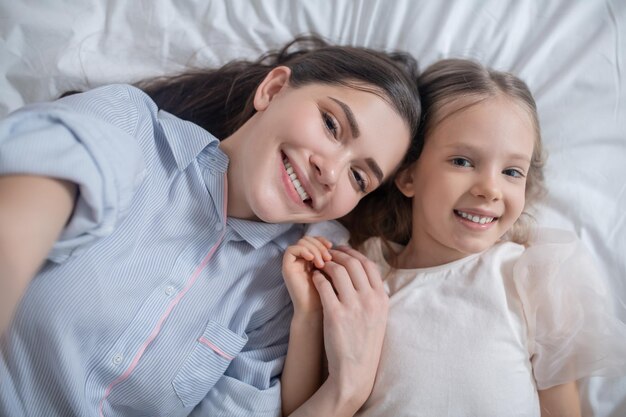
(354, 127)
(378, 173)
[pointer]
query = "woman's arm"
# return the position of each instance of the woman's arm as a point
(560, 401)
(33, 212)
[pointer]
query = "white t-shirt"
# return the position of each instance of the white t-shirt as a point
(479, 336)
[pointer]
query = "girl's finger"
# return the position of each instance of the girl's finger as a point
(299, 251)
(319, 251)
(322, 244)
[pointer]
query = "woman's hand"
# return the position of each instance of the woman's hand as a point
(299, 262)
(355, 309)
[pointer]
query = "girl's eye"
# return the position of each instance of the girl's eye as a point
(360, 180)
(330, 123)
(512, 172)
(461, 162)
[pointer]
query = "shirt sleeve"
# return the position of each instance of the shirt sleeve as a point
(573, 331)
(89, 139)
(331, 230)
(251, 384)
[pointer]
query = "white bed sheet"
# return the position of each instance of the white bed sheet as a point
(571, 53)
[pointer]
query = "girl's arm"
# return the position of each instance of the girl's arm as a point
(355, 315)
(33, 212)
(302, 373)
(560, 401)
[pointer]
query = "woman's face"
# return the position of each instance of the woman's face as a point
(311, 153)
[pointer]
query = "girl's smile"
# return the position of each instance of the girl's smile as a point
(476, 219)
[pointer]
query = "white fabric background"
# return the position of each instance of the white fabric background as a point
(572, 53)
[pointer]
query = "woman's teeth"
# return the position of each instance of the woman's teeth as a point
(475, 219)
(295, 181)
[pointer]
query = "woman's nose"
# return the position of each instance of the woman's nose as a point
(327, 169)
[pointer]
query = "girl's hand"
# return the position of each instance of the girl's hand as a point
(299, 263)
(355, 309)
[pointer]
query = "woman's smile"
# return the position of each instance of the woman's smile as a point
(295, 183)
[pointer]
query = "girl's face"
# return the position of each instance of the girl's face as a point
(311, 153)
(469, 183)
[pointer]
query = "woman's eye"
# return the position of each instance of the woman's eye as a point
(512, 172)
(360, 180)
(461, 162)
(330, 123)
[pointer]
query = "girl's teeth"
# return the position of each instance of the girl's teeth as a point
(295, 181)
(475, 219)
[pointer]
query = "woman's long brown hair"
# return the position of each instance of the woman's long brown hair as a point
(221, 99)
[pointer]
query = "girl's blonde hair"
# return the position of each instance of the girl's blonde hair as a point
(387, 212)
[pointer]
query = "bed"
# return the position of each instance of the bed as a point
(571, 53)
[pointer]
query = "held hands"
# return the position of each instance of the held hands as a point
(348, 288)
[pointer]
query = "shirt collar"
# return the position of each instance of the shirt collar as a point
(259, 234)
(186, 139)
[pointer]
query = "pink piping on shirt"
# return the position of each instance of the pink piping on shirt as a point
(169, 309)
(215, 348)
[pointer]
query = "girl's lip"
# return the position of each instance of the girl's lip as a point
(473, 225)
(478, 212)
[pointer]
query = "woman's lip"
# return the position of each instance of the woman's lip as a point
(289, 186)
(301, 177)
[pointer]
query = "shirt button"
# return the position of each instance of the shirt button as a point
(169, 290)
(117, 359)
(218, 226)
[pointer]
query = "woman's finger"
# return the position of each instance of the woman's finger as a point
(341, 280)
(371, 269)
(325, 290)
(357, 272)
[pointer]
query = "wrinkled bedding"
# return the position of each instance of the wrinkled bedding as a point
(571, 53)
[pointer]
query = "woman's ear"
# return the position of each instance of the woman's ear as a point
(272, 84)
(404, 182)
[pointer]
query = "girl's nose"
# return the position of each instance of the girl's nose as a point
(487, 187)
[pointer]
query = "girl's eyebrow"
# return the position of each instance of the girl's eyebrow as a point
(463, 147)
(354, 127)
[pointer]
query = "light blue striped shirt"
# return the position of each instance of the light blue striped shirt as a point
(152, 303)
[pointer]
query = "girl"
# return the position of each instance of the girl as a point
(146, 253)
(487, 317)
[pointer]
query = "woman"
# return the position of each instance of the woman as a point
(147, 254)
